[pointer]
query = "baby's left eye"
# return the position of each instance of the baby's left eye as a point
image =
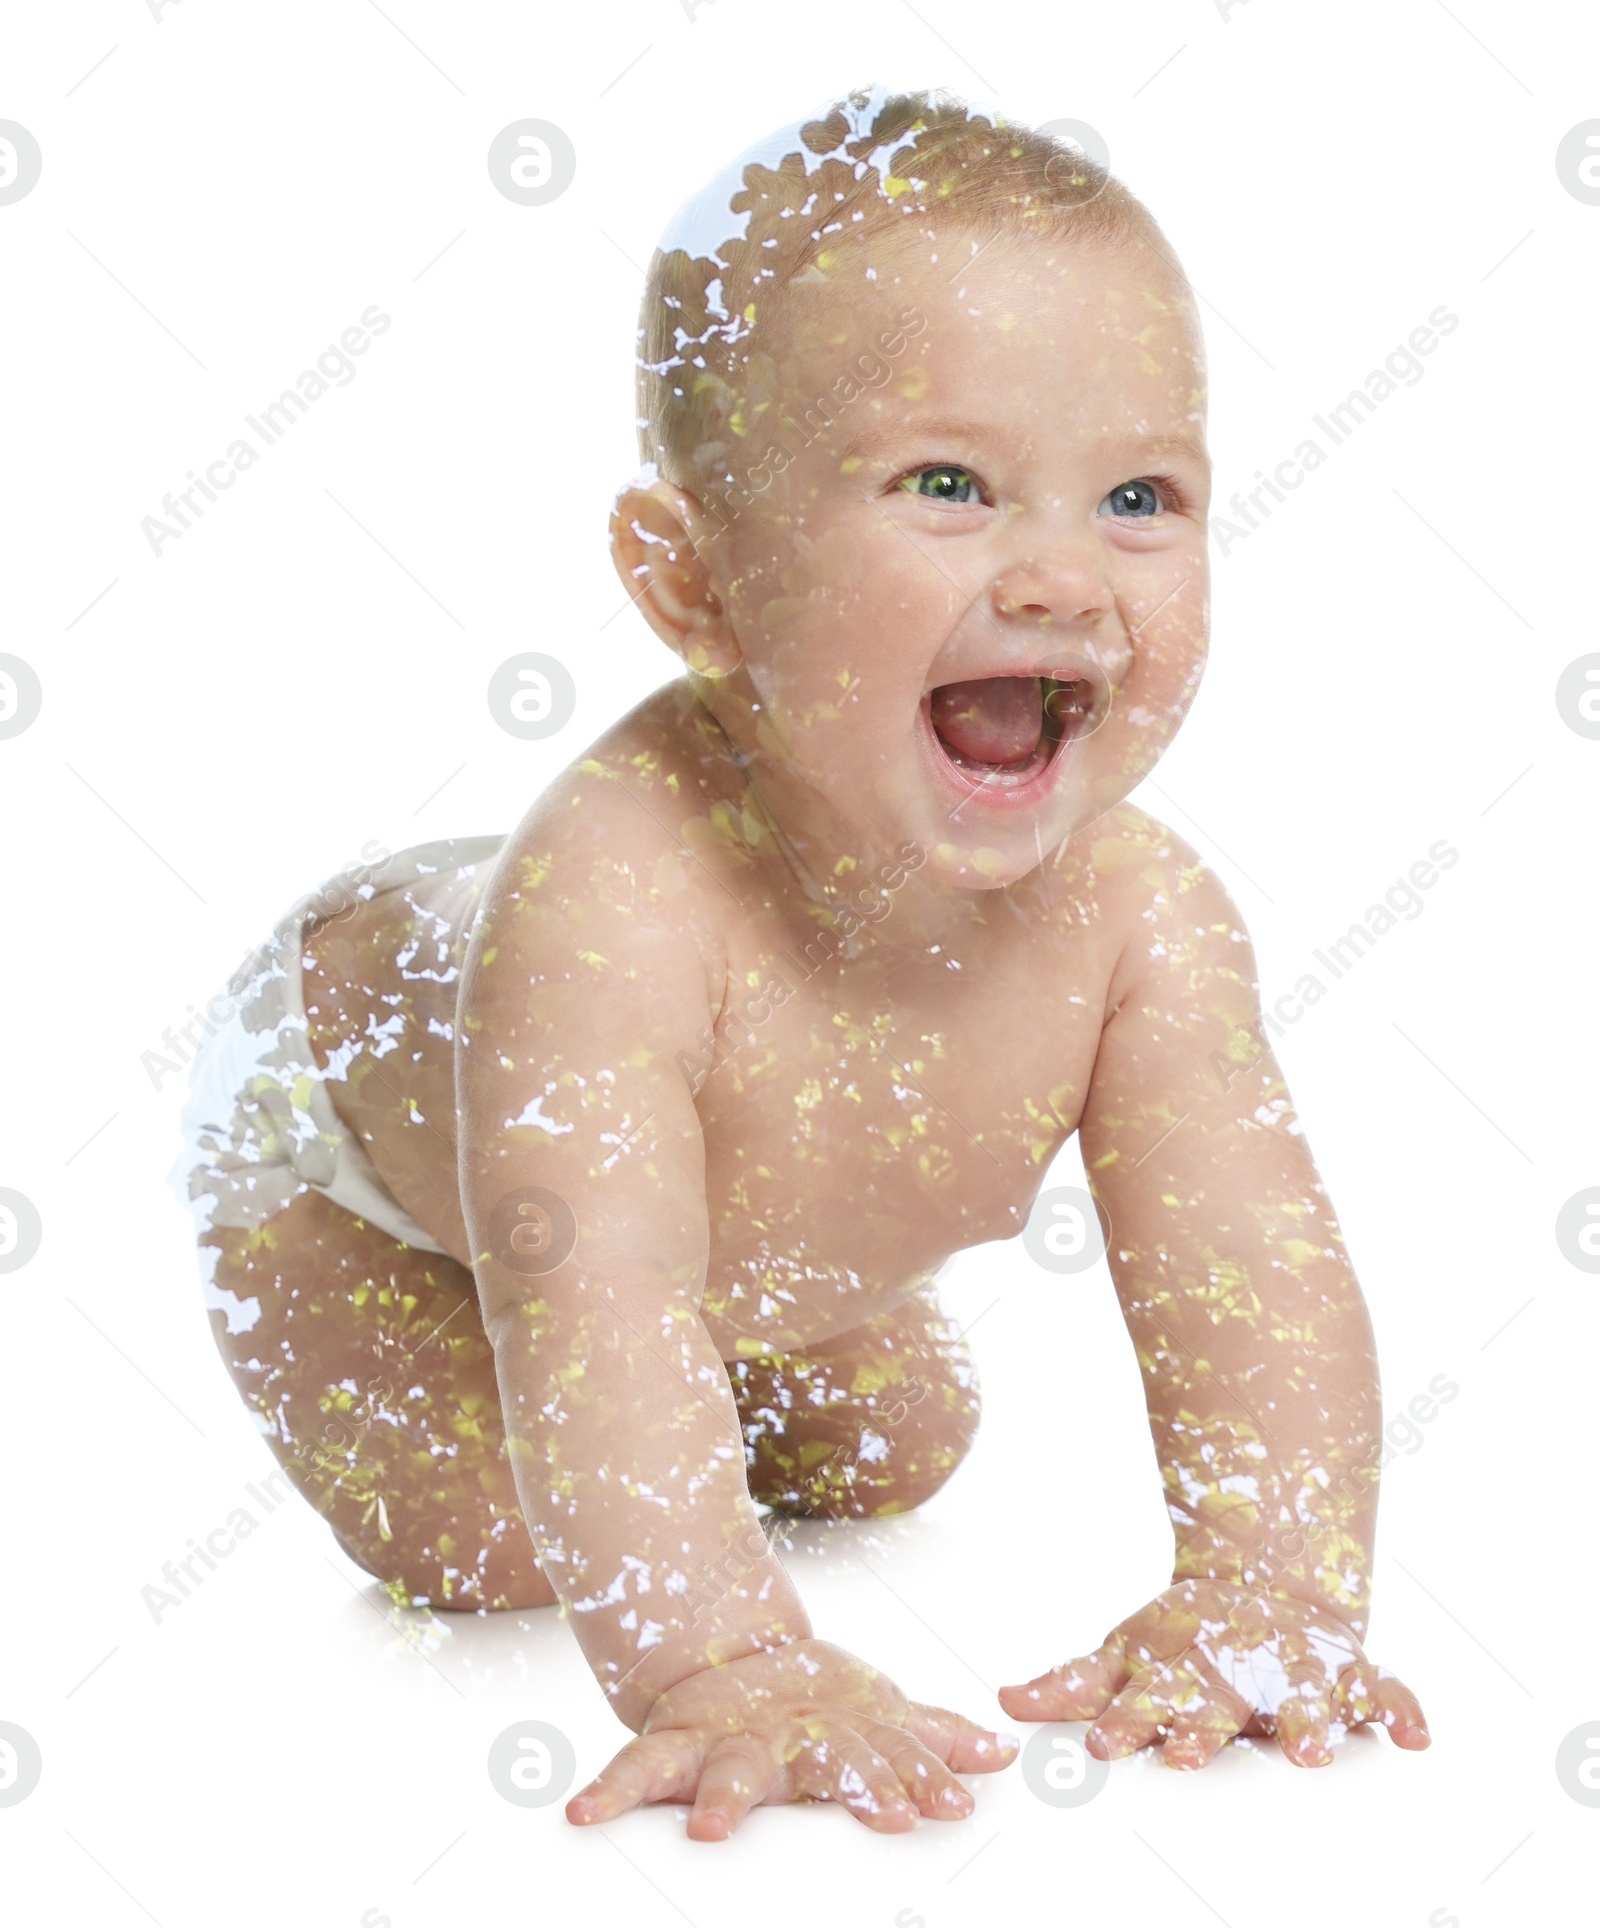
(944, 482)
(1133, 501)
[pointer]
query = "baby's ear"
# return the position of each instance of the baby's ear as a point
(657, 536)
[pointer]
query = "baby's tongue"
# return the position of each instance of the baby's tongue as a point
(991, 719)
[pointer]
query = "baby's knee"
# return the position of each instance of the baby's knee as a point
(891, 1456)
(430, 1576)
(866, 1487)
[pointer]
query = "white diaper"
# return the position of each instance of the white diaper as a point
(259, 1126)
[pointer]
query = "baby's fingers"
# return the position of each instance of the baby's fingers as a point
(1203, 1721)
(961, 1743)
(841, 1767)
(1143, 1708)
(1195, 1710)
(1129, 1723)
(1079, 1690)
(738, 1774)
(1367, 1693)
(938, 1795)
(655, 1767)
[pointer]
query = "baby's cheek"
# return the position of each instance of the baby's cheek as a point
(800, 661)
(1169, 627)
(1156, 694)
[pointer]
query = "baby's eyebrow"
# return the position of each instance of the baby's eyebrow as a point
(894, 433)
(1161, 445)
(980, 435)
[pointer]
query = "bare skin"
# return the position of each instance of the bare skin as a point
(766, 1151)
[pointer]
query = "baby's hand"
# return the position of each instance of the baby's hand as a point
(1205, 1661)
(803, 1721)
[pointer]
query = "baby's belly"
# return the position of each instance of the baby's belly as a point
(800, 1254)
(756, 1302)
(830, 1200)
(760, 1306)
(763, 1293)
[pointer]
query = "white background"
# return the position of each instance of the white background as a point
(305, 670)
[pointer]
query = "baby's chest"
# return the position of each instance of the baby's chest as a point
(868, 1116)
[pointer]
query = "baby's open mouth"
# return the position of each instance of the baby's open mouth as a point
(1005, 729)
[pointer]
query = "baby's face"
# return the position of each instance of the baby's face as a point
(972, 613)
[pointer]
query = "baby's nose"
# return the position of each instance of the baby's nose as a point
(1059, 588)
(1068, 599)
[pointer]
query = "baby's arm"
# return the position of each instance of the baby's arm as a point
(591, 976)
(1257, 1358)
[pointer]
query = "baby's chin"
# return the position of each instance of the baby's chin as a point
(986, 827)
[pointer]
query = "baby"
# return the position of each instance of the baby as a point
(570, 1195)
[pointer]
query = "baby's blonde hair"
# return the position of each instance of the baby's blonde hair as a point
(919, 166)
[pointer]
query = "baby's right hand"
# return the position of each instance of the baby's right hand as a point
(805, 1721)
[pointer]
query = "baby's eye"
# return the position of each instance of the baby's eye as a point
(1133, 501)
(944, 482)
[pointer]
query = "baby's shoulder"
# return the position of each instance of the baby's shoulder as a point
(1140, 880)
(654, 807)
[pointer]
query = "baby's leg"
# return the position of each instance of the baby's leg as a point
(872, 1422)
(369, 1365)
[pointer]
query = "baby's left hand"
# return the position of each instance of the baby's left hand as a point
(1205, 1661)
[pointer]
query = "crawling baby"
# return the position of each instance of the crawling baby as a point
(569, 1196)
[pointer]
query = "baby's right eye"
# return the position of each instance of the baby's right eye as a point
(944, 482)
